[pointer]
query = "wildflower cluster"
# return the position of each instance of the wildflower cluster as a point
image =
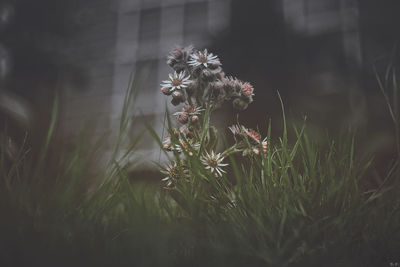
(200, 85)
(198, 80)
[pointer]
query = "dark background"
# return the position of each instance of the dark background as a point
(312, 71)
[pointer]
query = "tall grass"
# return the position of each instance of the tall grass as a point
(55, 212)
(302, 203)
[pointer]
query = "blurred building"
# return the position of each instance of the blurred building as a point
(338, 18)
(331, 57)
(316, 52)
(119, 37)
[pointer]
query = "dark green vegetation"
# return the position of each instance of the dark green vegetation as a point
(303, 203)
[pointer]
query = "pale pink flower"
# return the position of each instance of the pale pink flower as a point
(176, 81)
(203, 58)
(174, 171)
(213, 162)
(192, 110)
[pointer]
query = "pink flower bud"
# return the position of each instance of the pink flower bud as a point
(194, 118)
(177, 95)
(247, 89)
(256, 151)
(182, 117)
(166, 147)
(165, 90)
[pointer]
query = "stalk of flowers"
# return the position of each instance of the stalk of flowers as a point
(250, 142)
(199, 84)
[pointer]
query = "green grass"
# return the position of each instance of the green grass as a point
(303, 203)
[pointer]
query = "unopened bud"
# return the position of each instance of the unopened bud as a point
(177, 95)
(182, 117)
(166, 147)
(165, 90)
(247, 89)
(256, 151)
(194, 118)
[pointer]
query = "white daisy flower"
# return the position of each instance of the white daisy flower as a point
(173, 172)
(213, 162)
(177, 81)
(203, 58)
